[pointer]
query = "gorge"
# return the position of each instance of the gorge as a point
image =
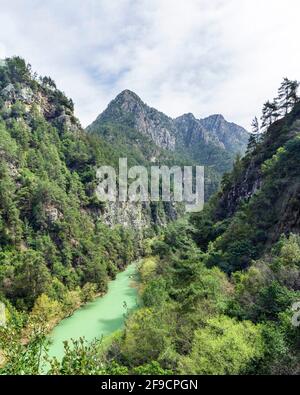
(216, 287)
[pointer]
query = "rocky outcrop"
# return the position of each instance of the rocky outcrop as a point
(190, 131)
(251, 178)
(242, 190)
(45, 101)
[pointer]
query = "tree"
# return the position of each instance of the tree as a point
(20, 358)
(19, 71)
(255, 126)
(287, 95)
(45, 313)
(88, 292)
(223, 346)
(24, 277)
(151, 369)
(270, 113)
(252, 143)
(147, 336)
(79, 358)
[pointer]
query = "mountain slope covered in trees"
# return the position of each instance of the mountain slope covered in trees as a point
(146, 135)
(220, 291)
(219, 287)
(52, 240)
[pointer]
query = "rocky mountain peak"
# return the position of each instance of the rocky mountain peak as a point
(127, 109)
(128, 100)
(233, 137)
(189, 116)
(127, 94)
(185, 132)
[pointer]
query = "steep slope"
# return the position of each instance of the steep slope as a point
(127, 109)
(239, 285)
(54, 233)
(233, 138)
(201, 145)
(259, 200)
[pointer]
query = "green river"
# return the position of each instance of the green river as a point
(101, 317)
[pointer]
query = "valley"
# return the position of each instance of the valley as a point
(216, 288)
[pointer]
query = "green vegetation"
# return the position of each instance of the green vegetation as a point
(216, 288)
(219, 288)
(55, 252)
(197, 320)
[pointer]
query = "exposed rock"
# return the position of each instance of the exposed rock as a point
(233, 137)
(26, 95)
(128, 109)
(68, 122)
(190, 131)
(9, 92)
(53, 214)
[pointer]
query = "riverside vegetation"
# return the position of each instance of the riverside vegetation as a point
(216, 287)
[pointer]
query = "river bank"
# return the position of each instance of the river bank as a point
(101, 317)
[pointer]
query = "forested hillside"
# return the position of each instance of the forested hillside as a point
(217, 290)
(52, 240)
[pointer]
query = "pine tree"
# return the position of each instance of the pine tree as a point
(253, 139)
(267, 115)
(275, 110)
(255, 126)
(293, 94)
(270, 113)
(287, 95)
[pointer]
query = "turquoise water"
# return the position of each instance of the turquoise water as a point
(99, 318)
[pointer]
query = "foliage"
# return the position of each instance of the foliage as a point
(52, 241)
(223, 346)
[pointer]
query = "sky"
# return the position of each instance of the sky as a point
(199, 56)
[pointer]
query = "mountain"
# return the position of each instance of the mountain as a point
(55, 235)
(127, 109)
(129, 122)
(233, 138)
(229, 275)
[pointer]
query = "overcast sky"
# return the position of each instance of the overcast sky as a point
(200, 56)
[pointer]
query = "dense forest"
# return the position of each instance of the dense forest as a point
(216, 287)
(53, 248)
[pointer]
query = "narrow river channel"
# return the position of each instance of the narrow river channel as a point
(101, 317)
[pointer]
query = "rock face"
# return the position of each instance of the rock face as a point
(45, 103)
(232, 137)
(24, 100)
(190, 131)
(139, 215)
(203, 140)
(271, 190)
(128, 109)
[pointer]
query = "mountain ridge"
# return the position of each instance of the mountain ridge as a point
(129, 108)
(133, 127)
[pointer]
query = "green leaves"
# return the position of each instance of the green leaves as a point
(223, 347)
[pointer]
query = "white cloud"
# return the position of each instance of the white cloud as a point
(201, 56)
